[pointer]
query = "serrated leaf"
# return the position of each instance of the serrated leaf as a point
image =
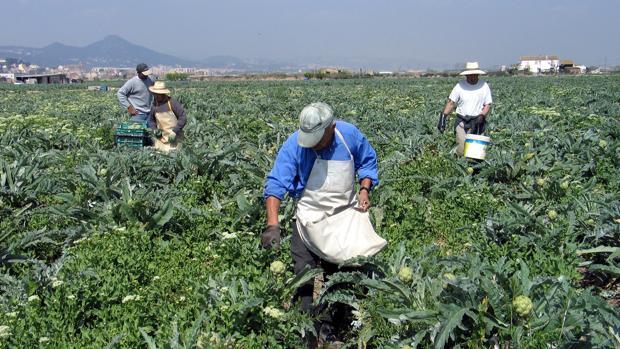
(304, 276)
(453, 320)
(164, 214)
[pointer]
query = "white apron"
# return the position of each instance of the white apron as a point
(328, 220)
(166, 122)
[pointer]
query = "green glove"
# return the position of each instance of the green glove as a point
(172, 137)
(157, 133)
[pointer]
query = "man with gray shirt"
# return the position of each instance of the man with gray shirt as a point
(135, 96)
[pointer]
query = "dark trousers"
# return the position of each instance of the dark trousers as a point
(334, 317)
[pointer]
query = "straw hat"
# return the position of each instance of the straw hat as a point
(472, 68)
(159, 88)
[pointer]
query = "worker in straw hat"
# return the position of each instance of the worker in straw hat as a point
(472, 98)
(167, 118)
(320, 165)
(135, 96)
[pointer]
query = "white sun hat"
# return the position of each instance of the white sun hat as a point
(159, 88)
(472, 68)
(313, 120)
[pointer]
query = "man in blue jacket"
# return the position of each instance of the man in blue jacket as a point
(319, 165)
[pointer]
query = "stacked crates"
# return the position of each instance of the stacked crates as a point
(132, 134)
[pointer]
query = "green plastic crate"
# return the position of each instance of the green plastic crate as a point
(133, 134)
(134, 142)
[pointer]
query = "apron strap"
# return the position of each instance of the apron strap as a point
(170, 107)
(345, 143)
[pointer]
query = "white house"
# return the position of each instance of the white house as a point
(539, 64)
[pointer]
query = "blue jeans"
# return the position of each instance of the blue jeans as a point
(141, 117)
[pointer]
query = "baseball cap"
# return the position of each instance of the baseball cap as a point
(313, 120)
(144, 69)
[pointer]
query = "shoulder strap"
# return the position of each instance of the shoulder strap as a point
(170, 107)
(344, 142)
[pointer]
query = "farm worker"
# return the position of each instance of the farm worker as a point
(318, 166)
(472, 98)
(135, 96)
(166, 118)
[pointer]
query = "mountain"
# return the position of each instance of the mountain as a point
(114, 51)
(111, 51)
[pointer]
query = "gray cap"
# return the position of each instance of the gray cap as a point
(313, 120)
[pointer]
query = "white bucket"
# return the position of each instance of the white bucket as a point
(476, 146)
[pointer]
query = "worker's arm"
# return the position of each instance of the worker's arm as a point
(449, 107)
(271, 236)
(279, 181)
(179, 112)
(123, 97)
(443, 116)
(364, 193)
(486, 110)
(272, 205)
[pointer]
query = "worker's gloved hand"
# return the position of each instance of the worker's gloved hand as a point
(157, 133)
(172, 137)
(478, 127)
(443, 119)
(271, 237)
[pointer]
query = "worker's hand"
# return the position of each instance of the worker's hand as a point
(443, 119)
(172, 137)
(364, 200)
(271, 237)
(479, 124)
(132, 110)
(157, 133)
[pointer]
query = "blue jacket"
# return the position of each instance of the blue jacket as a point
(293, 164)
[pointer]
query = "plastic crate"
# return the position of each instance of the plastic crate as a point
(134, 142)
(133, 134)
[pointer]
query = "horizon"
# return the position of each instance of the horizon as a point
(348, 33)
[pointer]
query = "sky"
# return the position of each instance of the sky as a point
(403, 33)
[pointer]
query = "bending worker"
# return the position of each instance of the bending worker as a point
(166, 119)
(473, 103)
(135, 96)
(318, 165)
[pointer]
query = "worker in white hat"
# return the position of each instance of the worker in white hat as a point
(166, 118)
(472, 98)
(320, 166)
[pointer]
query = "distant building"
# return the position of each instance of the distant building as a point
(7, 77)
(52, 78)
(539, 64)
(330, 71)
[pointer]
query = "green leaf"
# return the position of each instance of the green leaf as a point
(148, 339)
(164, 214)
(192, 337)
(599, 249)
(407, 314)
(115, 341)
(305, 275)
(243, 203)
(608, 269)
(453, 321)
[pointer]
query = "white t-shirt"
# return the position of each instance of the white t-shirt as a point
(470, 99)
